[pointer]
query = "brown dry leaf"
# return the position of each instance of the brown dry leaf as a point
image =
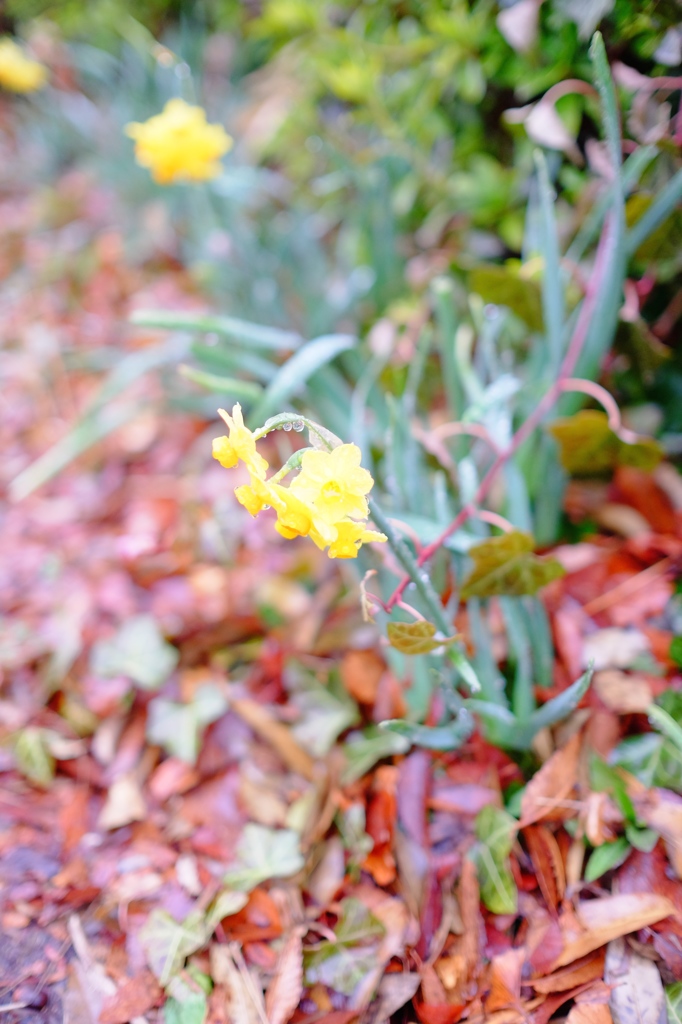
(244, 993)
(124, 804)
(505, 980)
(589, 1013)
(551, 785)
(588, 968)
(394, 916)
(548, 863)
(609, 918)
(394, 991)
(133, 999)
(277, 735)
(284, 991)
(661, 810)
(598, 815)
(361, 672)
(458, 970)
(637, 995)
(622, 692)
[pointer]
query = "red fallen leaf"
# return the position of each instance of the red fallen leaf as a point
(133, 999)
(381, 816)
(546, 792)
(588, 968)
(548, 863)
(548, 1008)
(641, 491)
(437, 1013)
(259, 921)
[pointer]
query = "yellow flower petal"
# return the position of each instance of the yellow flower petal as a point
(179, 145)
(241, 444)
(334, 483)
(350, 538)
(17, 71)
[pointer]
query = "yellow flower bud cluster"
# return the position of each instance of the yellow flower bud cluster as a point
(326, 501)
(17, 71)
(179, 144)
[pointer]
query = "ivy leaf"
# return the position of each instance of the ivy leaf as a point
(185, 1005)
(264, 853)
(588, 446)
(139, 651)
(33, 757)
(415, 637)
(507, 565)
(167, 943)
(178, 727)
(342, 963)
(496, 832)
(505, 286)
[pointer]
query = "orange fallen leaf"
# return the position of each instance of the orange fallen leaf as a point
(589, 1013)
(505, 980)
(284, 991)
(548, 863)
(551, 785)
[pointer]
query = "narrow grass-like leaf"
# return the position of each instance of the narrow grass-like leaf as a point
(226, 326)
(296, 371)
(663, 205)
(244, 389)
(552, 287)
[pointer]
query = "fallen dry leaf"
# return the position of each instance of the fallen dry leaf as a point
(637, 995)
(276, 734)
(661, 810)
(553, 784)
(133, 999)
(284, 992)
(622, 692)
(599, 921)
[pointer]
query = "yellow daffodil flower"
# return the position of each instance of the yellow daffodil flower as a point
(241, 444)
(179, 145)
(350, 537)
(335, 483)
(330, 487)
(17, 71)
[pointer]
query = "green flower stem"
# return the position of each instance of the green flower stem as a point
(427, 593)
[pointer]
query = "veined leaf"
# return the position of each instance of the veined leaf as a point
(588, 446)
(264, 853)
(673, 999)
(507, 565)
(167, 942)
(415, 637)
(506, 287)
(496, 832)
(606, 857)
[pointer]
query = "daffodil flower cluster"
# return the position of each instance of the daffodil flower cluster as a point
(179, 144)
(19, 72)
(326, 501)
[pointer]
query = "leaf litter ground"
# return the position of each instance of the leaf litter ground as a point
(188, 833)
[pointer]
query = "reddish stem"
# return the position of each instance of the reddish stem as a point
(575, 347)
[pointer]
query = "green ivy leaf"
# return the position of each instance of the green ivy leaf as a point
(264, 853)
(33, 757)
(139, 651)
(341, 964)
(589, 447)
(496, 832)
(606, 857)
(415, 637)
(167, 943)
(507, 565)
(178, 727)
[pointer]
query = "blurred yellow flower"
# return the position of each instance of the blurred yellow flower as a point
(334, 482)
(179, 145)
(17, 71)
(350, 537)
(241, 444)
